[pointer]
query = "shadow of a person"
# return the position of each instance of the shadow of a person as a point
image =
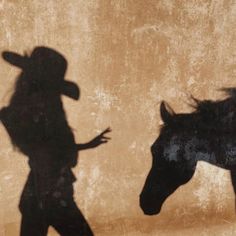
(37, 126)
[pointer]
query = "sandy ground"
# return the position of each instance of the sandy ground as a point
(156, 225)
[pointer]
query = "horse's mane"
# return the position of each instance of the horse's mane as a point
(219, 115)
(203, 106)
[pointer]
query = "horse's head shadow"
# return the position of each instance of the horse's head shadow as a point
(207, 134)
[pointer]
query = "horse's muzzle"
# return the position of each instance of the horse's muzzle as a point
(149, 205)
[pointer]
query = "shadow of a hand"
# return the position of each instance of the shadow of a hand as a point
(100, 139)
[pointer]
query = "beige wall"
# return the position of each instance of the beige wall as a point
(126, 56)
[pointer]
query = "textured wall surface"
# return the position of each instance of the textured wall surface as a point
(126, 56)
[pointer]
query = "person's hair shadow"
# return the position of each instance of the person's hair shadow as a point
(37, 125)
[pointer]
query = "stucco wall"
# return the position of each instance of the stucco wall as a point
(126, 56)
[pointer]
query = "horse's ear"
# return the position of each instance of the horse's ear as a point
(166, 112)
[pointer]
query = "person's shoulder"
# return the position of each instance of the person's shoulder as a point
(4, 112)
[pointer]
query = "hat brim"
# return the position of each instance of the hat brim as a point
(71, 90)
(15, 59)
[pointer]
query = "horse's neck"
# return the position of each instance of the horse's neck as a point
(200, 150)
(220, 151)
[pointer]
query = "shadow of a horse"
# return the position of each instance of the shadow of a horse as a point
(207, 134)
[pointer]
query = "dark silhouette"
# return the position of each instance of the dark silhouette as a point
(207, 134)
(37, 125)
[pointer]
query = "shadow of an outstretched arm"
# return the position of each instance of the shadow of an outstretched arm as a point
(95, 142)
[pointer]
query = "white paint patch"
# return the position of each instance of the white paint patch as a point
(8, 177)
(133, 147)
(168, 5)
(149, 106)
(212, 185)
(145, 29)
(171, 151)
(94, 176)
(104, 99)
(191, 81)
